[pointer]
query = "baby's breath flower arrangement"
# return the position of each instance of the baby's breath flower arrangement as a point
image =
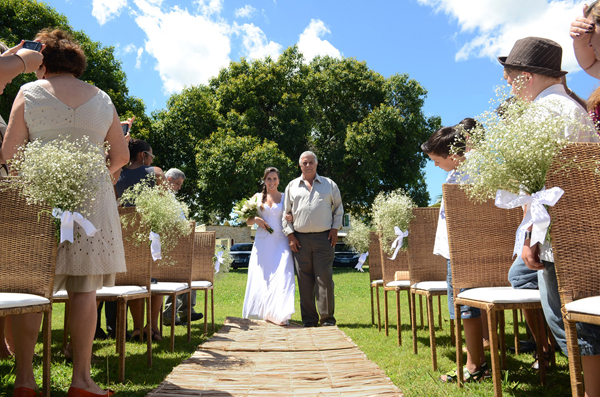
(63, 173)
(514, 147)
(159, 212)
(390, 210)
(224, 260)
(358, 236)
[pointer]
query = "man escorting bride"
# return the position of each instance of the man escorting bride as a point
(271, 287)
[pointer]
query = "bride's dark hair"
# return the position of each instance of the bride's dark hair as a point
(264, 185)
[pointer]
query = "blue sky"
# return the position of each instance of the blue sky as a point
(449, 46)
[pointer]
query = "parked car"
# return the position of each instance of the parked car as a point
(345, 256)
(240, 253)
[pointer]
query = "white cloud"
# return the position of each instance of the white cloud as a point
(311, 44)
(496, 25)
(129, 48)
(256, 44)
(138, 59)
(209, 7)
(245, 12)
(105, 10)
(189, 49)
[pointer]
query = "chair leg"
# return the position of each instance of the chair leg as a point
(173, 304)
(539, 323)
(574, 358)
(205, 312)
(120, 335)
(502, 339)
(409, 304)
(149, 339)
(458, 343)
(399, 319)
(440, 311)
(431, 331)
(189, 325)
(496, 375)
(413, 316)
(378, 309)
(421, 310)
(372, 307)
(452, 333)
(385, 309)
(47, 334)
(212, 308)
(66, 325)
(173, 314)
(516, 331)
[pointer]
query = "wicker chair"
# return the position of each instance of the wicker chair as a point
(427, 272)
(375, 275)
(481, 239)
(389, 268)
(27, 264)
(575, 225)
(130, 285)
(176, 279)
(203, 272)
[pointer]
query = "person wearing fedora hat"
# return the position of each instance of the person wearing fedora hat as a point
(533, 68)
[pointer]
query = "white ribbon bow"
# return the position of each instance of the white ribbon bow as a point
(67, 223)
(536, 214)
(219, 261)
(361, 261)
(155, 246)
(398, 241)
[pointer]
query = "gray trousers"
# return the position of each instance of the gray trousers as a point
(182, 302)
(314, 268)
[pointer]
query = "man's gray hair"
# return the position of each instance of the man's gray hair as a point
(174, 173)
(308, 153)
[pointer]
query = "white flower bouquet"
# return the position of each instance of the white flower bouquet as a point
(391, 213)
(65, 174)
(248, 208)
(160, 212)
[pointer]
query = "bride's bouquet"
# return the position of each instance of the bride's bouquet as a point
(163, 218)
(248, 208)
(64, 174)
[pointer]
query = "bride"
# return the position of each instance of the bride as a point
(271, 285)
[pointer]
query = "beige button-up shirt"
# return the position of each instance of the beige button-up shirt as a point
(316, 210)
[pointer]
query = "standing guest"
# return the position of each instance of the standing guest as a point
(270, 288)
(533, 68)
(315, 204)
(59, 103)
(140, 167)
(175, 179)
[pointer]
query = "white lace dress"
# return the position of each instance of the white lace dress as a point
(271, 286)
(89, 263)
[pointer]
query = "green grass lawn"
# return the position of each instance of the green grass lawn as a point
(411, 373)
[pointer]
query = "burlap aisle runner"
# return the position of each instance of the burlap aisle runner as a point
(256, 358)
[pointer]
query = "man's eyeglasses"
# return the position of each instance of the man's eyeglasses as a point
(150, 154)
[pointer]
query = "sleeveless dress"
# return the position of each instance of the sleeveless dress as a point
(271, 284)
(89, 263)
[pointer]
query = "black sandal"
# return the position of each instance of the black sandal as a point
(155, 334)
(135, 338)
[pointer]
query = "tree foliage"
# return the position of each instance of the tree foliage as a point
(365, 129)
(23, 19)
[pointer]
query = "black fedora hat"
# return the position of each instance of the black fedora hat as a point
(535, 55)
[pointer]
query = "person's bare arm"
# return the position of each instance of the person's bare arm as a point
(581, 29)
(17, 133)
(118, 153)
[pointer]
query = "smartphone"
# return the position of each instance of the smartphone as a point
(125, 128)
(32, 45)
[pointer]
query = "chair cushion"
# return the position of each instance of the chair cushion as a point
(501, 295)
(589, 306)
(201, 284)
(62, 294)
(168, 287)
(377, 282)
(399, 283)
(120, 290)
(9, 300)
(431, 286)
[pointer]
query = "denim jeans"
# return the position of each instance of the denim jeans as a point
(521, 277)
(466, 312)
(588, 335)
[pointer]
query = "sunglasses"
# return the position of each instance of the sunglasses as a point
(150, 154)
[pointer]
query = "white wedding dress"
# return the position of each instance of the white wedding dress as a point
(271, 285)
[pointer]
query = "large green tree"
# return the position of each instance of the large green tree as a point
(23, 19)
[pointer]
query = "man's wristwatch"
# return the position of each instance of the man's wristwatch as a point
(527, 235)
